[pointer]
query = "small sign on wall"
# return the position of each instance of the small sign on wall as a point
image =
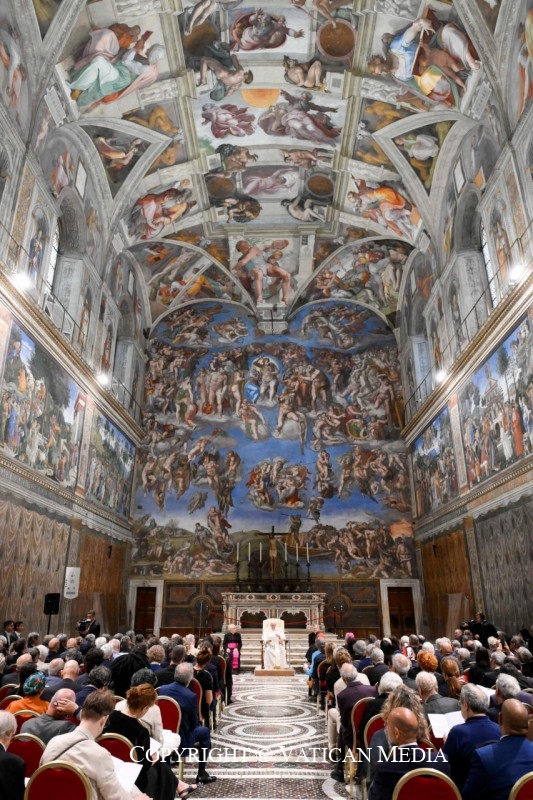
(72, 583)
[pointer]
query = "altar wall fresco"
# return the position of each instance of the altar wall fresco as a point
(245, 431)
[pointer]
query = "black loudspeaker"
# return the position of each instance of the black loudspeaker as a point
(51, 603)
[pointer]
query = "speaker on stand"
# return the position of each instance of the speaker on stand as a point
(51, 606)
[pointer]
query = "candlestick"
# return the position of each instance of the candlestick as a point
(260, 551)
(297, 553)
(307, 551)
(249, 552)
(237, 552)
(285, 552)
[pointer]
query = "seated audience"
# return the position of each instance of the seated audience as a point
(354, 691)
(33, 690)
(69, 675)
(12, 768)
(427, 686)
(453, 680)
(378, 668)
(53, 722)
(496, 767)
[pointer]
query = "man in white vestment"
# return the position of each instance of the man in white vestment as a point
(274, 644)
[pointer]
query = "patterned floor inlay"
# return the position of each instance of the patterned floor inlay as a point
(270, 743)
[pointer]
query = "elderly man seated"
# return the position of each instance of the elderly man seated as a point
(496, 767)
(53, 722)
(354, 691)
(12, 767)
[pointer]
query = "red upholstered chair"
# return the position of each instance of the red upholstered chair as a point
(5, 702)
(374, 724)
(23, 716)
(118, 746)
(419, 784)
(322, 687)
(170, 713)
(523, 788)
(357, 715)
(427, 744)
(58, 779)
(29, 748)
(4, 691)
(195, 687)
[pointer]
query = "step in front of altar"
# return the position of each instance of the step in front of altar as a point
(288, 672)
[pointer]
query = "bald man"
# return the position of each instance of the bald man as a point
(496, 768)
(53, 722)
(402, 729)
(69, 675)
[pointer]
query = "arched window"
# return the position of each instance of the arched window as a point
(52, 259)
(488, 266)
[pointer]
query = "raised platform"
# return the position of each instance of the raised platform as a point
(274, 673)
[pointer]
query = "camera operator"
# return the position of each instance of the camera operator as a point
(89, 625)
(480, 628)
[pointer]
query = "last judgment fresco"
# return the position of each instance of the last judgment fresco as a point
(248, 432)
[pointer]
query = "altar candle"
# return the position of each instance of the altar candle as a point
(249, 552)
(285, 552)
(296, 552)
(307, 551)
(237, 552)
(260, 551)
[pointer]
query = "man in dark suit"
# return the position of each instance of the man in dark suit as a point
(496, 768)
(401, 665)
(355, 691)
(166, 674)
(402, 730)
(92, 625)
(434, 703)
(192, 734)
(11, 766)
(463, 739)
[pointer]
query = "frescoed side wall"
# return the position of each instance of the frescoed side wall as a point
(111, 462)
(246, 431)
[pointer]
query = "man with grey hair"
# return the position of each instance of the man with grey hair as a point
(346, 700)
(167, 674)
(506, 688)
(464, 739)
(389, 682)
(12, 767)
(192, 734)
(375, 672)
(401, 665)
(53, 722)
(427, 686)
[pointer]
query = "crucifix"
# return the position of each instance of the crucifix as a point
(273, 550)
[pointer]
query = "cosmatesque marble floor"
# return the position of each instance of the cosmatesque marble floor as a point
(270, 743)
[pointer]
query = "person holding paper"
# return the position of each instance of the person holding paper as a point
(478, 729)
(80, 749)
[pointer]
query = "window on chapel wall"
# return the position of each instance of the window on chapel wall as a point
(52, 260)
(488, 266)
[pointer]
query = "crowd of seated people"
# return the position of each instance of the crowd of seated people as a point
(488, 680)
(74, 688)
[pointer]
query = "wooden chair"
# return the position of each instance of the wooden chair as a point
(58, 779)
(357, 715)
(7, 700)
(23, 716)
(4, 691)
(30, 749)
(118, 746)
(523, 788)
(419, 784)
(374, 724)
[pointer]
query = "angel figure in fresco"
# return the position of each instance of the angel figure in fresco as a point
(116, 155)
(270, 184)
(310, 76)
(235, 158)
(429, 57)
(203, 10)
(114, 64)
(260, 30)
(229, 80)
(11, 58)
(525, 63)
(158, 210)
(300, 118)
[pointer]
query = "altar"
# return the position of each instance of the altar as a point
(274, 605)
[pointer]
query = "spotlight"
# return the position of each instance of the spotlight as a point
(103, 379)
(516, 273)
(441, 375)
